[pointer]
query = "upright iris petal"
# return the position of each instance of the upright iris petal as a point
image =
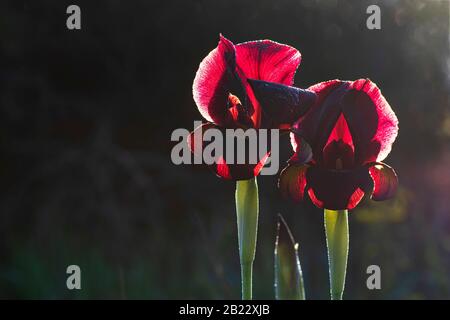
(269, 61)
(216, 78)
(225, 94)
(226, 69)
(350, 129)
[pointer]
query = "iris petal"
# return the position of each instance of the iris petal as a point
(385, 181)
(292, 182)
(282, 105)
(373, 124)
(303, 152)
(337, 189)
(215, 79)
(238, 171)
(339, 151)
(265, 60)
(341, 132)
(316, 126)
(226, 69)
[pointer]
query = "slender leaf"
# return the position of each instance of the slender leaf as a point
(288, 272)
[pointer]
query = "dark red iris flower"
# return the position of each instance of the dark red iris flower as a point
(339, 145)
(247, 85)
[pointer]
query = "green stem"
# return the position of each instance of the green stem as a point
(336, 230)
(246, 276)
(247, 208)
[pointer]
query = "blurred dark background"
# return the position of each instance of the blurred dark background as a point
(85, 170)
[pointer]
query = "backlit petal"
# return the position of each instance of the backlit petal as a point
(215, 79)
(238, 171)
(371, 121)
(292, 182)
(316, 126)
(338, 152)
(373, 124)
(385, 181)
(281, 104)
(337, 189)
(265, 60)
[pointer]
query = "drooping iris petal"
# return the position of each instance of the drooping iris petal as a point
(373, 124)
(385, 181)
(223, 167)
(337, 189)
(281, 104)
(265, 60)
(238, 171)
(292, 182)
(215, 79)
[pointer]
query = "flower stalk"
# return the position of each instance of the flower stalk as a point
(336, 231)
(247, 209)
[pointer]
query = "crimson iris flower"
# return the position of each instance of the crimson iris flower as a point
(247, 86)
(341, 141)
